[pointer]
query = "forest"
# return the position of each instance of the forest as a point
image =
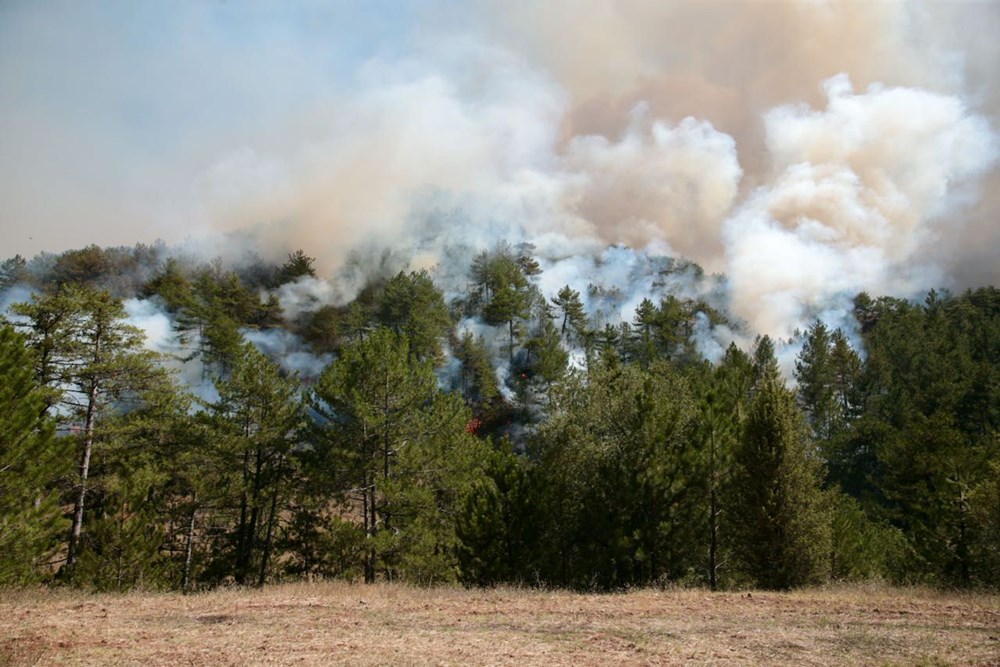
(382, 437)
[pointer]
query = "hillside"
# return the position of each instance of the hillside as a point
(178, 424)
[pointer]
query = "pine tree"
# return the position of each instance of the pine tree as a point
(298, 265)
(404, 449)
(257, 417)
(94, 358)
(139, 504)
(172, 286)
(784, 531)
(725, 417)
(32, 462)
(644, 325)
(815, 374)
(412, 305)
(546, 357)
(573, 317)
(13, 271)
(503, 290)
(372, 395)
(616, 478)
(496, 528)
(478, 381)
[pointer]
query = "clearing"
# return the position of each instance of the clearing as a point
(353, 624)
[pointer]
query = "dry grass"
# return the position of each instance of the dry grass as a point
(339, 623)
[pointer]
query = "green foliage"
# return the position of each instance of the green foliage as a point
(478, 382)
(120, 271)
(412, 305)
(404, 450)
(172, 286)
(13, 270)
(323, 329)
(316, 544)
(783, 538)
(643, 347)
(432, 479)
(616, 461)
(984, 503)
(257, 420)
(927, 435)
(861, 548)
(723, 393)
(82, 267)
(32, 459)
(121, 549)
(91, 358)
(650, 466)
(574, 320)
(547, 358)
(503, 290)
(814, 373)
(497, 534)
(297, 266)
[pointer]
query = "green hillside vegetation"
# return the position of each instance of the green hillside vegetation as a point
(407, 457)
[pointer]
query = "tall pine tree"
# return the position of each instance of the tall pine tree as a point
(783, 526)
(32, 461)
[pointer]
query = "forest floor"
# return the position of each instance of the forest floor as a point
(353, 624)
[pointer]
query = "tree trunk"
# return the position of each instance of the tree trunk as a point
(368, 511)
(120, 555)
(241, 533)
(270, 533)
(251, 534)
(713, 515)
(88, 446)
(386, 451)
(369, 494)
(510, 326)
(189, 547)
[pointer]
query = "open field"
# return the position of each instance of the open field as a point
(339, 623)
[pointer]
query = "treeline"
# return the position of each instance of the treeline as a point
(604, 454)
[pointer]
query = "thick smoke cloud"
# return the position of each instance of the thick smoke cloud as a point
(859, 191)
(672, 184)
(731, 133)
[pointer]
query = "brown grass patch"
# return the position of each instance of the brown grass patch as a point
(353, 624)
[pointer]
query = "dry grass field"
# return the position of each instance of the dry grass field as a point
(352, 624)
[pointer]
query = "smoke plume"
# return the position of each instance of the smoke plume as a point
(805, 150)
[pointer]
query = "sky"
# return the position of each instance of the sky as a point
(114, 113)
(806, 149)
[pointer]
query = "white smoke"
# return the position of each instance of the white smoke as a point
(289, 351)
(680, 127)
(19, 293)
(155, 323)
(668, 184)
(307, 295)
(859, 192)
(496, 342)
(178, 349)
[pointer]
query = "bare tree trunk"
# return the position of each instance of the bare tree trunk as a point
(88, 446)
(369, 495)
(241, 535)
(120, 549)
(189, 547)
(267, 540)
(713, 515)
(510, 327)
(251, 534)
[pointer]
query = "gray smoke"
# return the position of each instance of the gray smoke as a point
(863, 157)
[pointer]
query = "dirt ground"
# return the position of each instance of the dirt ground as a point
(353, 624)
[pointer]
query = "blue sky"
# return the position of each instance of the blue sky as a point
(100, 100)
